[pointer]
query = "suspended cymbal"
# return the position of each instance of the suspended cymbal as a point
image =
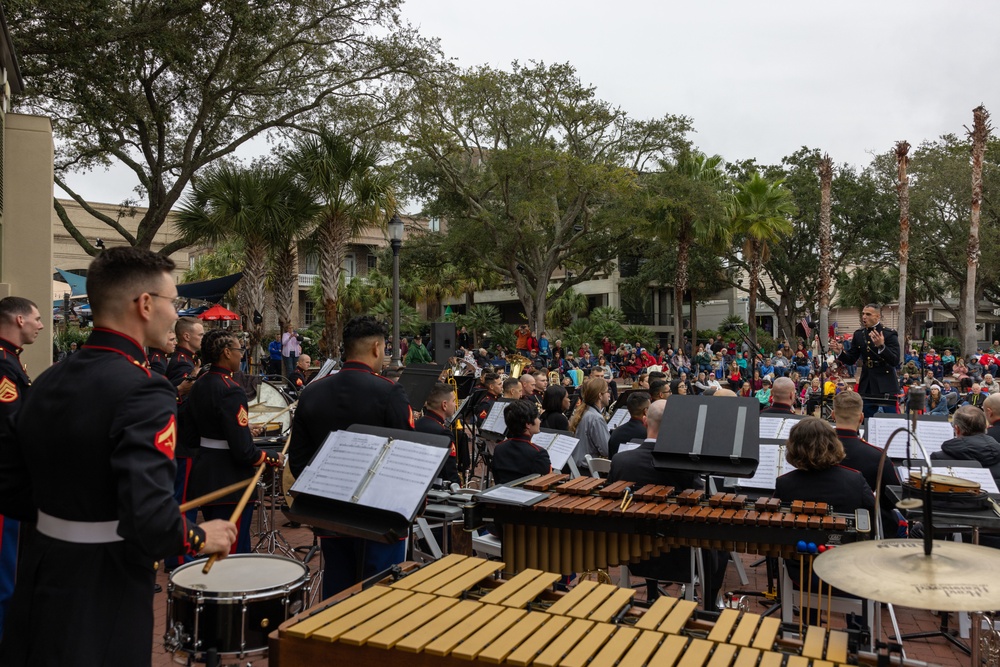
(955, 577)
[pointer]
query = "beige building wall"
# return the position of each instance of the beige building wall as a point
(67, 253)
(26, 268)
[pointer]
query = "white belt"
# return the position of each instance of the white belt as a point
(213, 443)
(79, 532)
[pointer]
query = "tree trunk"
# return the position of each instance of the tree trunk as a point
(825, 185)
(755, 266)
(255, 265)
(284, 280)
(332, 238)
(540, 310)
(680, 286)
(980, 133)
(694, 321)
(903, 193)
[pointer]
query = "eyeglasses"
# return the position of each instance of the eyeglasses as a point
(236, 349)
(178, 301)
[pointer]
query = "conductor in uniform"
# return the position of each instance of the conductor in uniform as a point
(876, 349)
(355, 395)
(92, 463)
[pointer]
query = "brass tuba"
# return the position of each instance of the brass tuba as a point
(517, 364)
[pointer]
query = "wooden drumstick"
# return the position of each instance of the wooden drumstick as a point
(246, 498)
(802, 588)
(214, 495)
(277, 416)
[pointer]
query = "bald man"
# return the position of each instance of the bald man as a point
(637, 466)
(782, 397)
(991, 407)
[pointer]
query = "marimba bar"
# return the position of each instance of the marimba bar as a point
(582, 526)
(443, 616)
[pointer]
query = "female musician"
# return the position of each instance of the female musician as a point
(555, 403)
(518, 456)
(217, 412)
(588, 421)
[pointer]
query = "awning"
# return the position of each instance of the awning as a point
(77, 284)
(216, 313)
(209, 290)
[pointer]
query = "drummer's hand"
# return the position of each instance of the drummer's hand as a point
(219, 537)
(184, 388)
(256, 429)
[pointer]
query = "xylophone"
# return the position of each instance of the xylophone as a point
(453, 611)
(582, 525)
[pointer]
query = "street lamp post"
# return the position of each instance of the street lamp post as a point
(396, 241)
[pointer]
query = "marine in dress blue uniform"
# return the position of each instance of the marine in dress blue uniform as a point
(355, 395)
(92, 460)
(876, 348)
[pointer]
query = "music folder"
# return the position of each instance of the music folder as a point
(368, 482)
(709, 434)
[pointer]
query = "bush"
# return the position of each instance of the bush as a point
(644, 335)
(73, 335)
(942, 343)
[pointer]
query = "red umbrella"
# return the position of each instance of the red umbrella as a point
(216, 313)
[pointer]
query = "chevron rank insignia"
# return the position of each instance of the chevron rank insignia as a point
(8, 391)
(242, 418)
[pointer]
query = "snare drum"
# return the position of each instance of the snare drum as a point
(233, 607)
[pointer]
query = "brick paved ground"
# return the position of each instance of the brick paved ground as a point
(935, 651)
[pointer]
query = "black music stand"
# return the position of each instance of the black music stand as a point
(418, 380)
(369, 523)
(709, 435)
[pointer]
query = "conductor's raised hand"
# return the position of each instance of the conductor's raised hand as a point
(836, 346)
(219, 537)
(877, 338)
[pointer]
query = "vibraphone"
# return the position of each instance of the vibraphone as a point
(582, 527)
(453, 611)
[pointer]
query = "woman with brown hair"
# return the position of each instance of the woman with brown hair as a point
(816, 452)
(588, 422)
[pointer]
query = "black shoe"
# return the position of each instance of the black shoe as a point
(157, 588)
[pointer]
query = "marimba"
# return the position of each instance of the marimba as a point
(582, 525)
(453, 611)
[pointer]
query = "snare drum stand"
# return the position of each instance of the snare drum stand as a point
(271, 539)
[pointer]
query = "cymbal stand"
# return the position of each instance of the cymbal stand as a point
(270, 537)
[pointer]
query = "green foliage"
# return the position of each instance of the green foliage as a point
(481, 319)
(942, 343)
(502, 335)
(705, 334)
(410, 323)
(533, 163)
(73, 335)
(643, 335)
(866, 284)
(166, 88)
(577, 333)
(565, 307)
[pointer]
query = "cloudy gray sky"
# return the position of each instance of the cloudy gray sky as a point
(759, 79)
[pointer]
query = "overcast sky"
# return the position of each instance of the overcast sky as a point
(759, 79)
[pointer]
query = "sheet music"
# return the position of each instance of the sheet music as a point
(776, 428)
(507, 494)
(494, 422)
(628, 446)
(932, 433)
(769, 467)
(340, 466)
(559, 446)
(620, 416)
(401, 481)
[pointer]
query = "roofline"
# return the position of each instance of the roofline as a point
(10, 58)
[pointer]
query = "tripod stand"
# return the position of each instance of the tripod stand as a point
(269, 536)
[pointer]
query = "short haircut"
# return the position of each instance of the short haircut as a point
(874, 306)
(656, 375)
(525, 376)
(122, 273)
(214, 344)
(553, 399)
(488, 378)
(783, 388)
(848, 404)
(510, 383)
(637, 402)
(655, 415)
(185, 325)
(518, 415)
(656, 386)
(439, 393)
(969, 420)
(360, 331)
(813, 445)
(541, 375)
(12, 306)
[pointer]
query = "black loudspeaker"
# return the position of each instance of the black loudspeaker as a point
(443, 334)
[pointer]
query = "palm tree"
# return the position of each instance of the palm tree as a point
(260, 205)
(759, 209)
(825, 185)
(866, 284)
(979, 134)
(695, 229)
(353, 194)
(903, 192)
